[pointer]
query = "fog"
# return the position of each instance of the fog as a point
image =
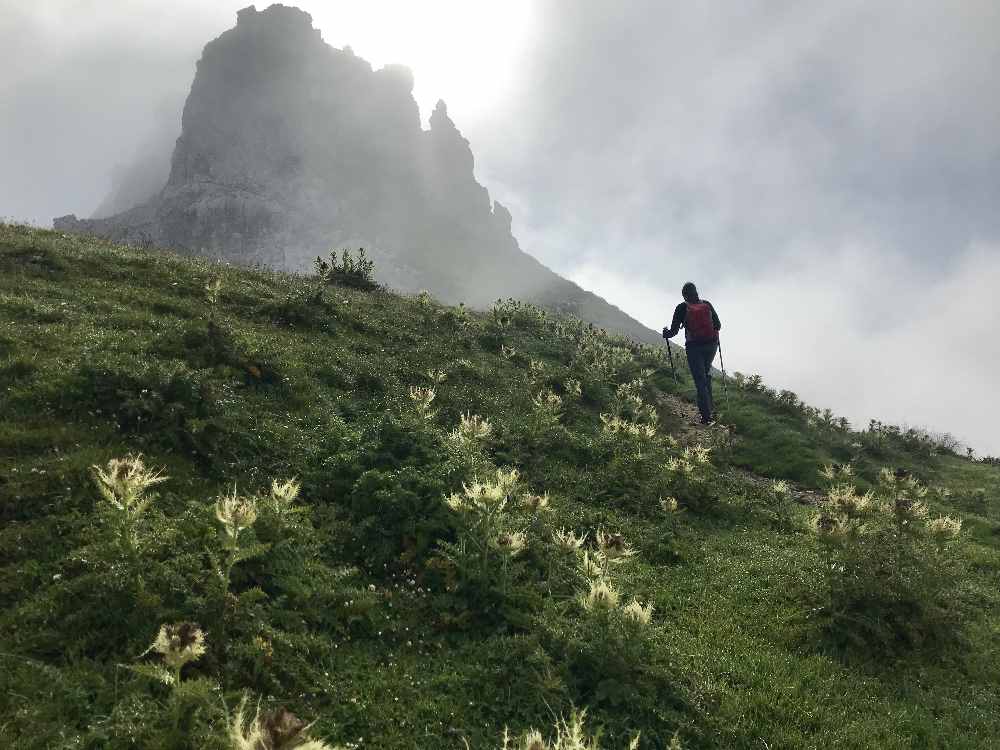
(826, 173)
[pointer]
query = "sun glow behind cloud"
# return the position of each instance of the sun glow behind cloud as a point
(464, 52)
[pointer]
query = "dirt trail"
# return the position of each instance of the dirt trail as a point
(692, 431)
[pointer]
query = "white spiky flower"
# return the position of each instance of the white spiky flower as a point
(472, 427)
(681, 466)
(844, 498)
(612, 547)
(437, 376)
(456, 502)
(236, 512)
(422, 399)
(535, 503)
(601, 597)
(507, 479)
(124, 483)
(669, 504)
(590, 567)
(484, 495)
(212, 290)
(568, 540)
(279, 729)
(945, 527)
(573, 388)
(179, 644)
(827, 524)
(638, 613)
(780, 487)
(285, 493)
(511, 543)
(533, 740)
(547, 400)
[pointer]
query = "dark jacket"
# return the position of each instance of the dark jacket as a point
(680, 315)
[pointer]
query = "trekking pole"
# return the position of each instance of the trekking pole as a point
(722, 364)
(673, 371)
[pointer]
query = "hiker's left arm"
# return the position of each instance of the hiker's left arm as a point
(715, 317)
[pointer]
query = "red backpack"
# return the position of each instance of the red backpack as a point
(699, 321)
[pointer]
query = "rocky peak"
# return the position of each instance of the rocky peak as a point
(289, 147)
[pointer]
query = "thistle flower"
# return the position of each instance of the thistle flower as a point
(643, 430)
(669, 504)
(212, 290)
(825, 524)
(285, 493)
(546, 400)
(680, 466)
(907, 506)
(484, 495)
(124, 483)
(638, 613)
(511, 543)
(235, 512)
(887, 476)
(568, 540)
(276, 729)
(602, 597)
(613, 547)
(179, 644)
(437, 376)
(422, 399)
(844, 498)
(533, 740)
(535, 503)
(507, 478)
(590, 567)
(471, 428)
(945, 527)
(456, 502)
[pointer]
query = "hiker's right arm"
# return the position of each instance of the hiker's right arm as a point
(675, 324)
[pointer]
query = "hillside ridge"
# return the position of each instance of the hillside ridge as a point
(407, 524)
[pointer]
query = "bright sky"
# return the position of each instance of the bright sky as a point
(466, 52)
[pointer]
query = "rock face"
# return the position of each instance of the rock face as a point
(290, 147)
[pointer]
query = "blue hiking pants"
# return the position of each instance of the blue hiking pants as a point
(700, 357)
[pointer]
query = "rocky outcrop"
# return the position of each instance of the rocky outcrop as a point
(290, 147)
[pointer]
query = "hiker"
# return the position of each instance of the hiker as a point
(701, 341)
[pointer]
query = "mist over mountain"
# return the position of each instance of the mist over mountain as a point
(290, 147)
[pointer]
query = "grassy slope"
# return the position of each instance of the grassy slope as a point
(103, 350)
